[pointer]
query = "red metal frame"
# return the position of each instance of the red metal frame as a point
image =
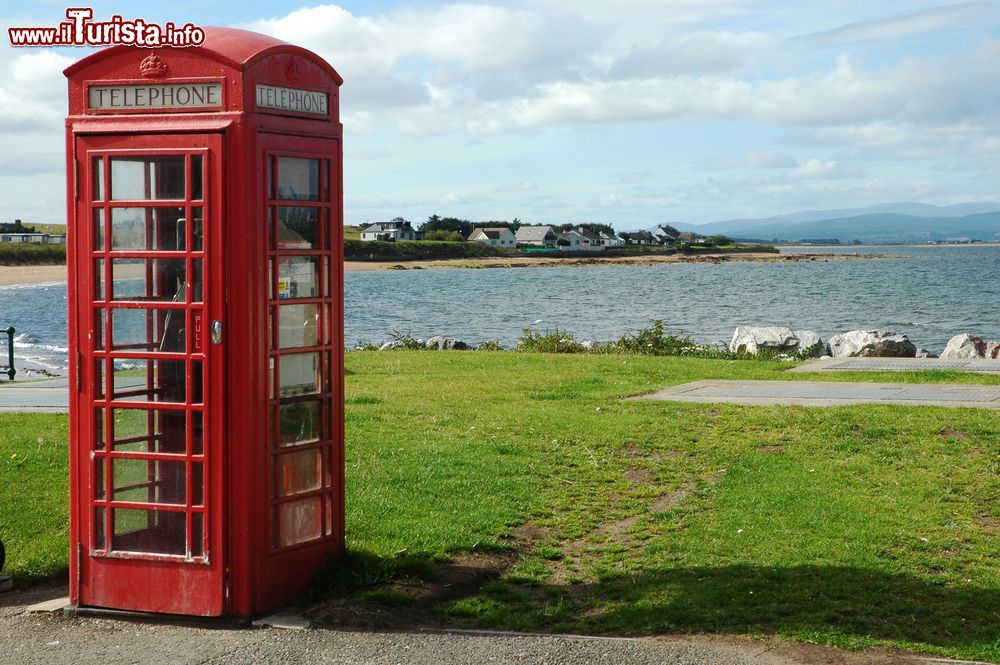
(251, 560)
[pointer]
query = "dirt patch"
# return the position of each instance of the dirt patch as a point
(617, 531)
(952, 433)
(772, 450)
(639, 476)
(415, 605)
(529, 532)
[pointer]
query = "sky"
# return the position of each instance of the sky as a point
(631, 112)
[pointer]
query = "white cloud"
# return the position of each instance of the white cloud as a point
(826, 169)
(752, 159)
(902, 25)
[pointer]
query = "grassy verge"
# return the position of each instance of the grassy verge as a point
(854, 526)
(411, 250)
(33, 495)
(17, 254)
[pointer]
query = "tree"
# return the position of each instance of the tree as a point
(437, 223)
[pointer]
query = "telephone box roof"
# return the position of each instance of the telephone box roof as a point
(231, 46)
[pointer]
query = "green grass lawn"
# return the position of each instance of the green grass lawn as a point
(852, 526)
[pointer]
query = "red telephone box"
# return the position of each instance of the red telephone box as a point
(205, 220)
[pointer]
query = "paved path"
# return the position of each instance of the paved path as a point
(980, 366)
(46, 396)
(823, 393)
(52, 638)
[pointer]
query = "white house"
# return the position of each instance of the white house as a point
(498, 237)
(37, 238)
(665, 234)
(391, 231)
(539, 236)
(611, 240)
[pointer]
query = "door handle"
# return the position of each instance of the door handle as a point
(216, 332)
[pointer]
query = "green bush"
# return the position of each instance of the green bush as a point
(411, 250)
(20, 254)
(550, 341)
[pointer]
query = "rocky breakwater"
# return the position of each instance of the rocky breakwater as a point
(776, 340)
(971, 347)
(753, 340)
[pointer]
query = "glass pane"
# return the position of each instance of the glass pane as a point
(148, 531)
(148, 480)
(148, 279)
(299, 521)
(297, 325)
(99, 331)
(299, 422)
(298, 179)
(299, 374)
(197, 186)
(149, 431)
(297, 277)
(197, 447)
(147, 178)
(195, 281)
(99, 479)
(197, 534)
(197, 484)
(99, 378)
(138, 380)
(149, 329)
(299, 472)
(270, 178)
(97, 179)
(297, 228)
(98, 429)
(99, 279)
(98, 229)
(99, 529)
(147, 228)
(325, 182)
(197, 216)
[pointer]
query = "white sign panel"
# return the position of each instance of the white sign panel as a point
(291, 99)
(154, 96)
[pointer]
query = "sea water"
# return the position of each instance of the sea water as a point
(929, 293)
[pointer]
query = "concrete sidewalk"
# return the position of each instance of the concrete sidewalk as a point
(978, 366)
(822, 393)
(45, 396)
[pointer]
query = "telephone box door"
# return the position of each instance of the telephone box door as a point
(150, 395)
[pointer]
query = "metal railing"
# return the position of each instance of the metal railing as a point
(10, 371)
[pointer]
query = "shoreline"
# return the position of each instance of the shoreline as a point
(584, 261)
(43, 274)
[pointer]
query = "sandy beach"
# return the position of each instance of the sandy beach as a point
(10, 275)
(31, 274)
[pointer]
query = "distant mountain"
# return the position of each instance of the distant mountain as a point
(891, 222)
(885, 227)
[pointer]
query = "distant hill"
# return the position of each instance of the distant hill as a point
(893, 222)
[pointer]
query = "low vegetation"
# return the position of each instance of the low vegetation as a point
(411, 250)
(18, 254)
(853, 526)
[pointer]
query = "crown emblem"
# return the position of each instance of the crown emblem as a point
(293, 71)
(152, 67)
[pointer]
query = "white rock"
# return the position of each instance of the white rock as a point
(810, 340)
(872, 343)
(751, 339)
(388, 346)
(924, 353)
(445, 343)
(970, 347)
